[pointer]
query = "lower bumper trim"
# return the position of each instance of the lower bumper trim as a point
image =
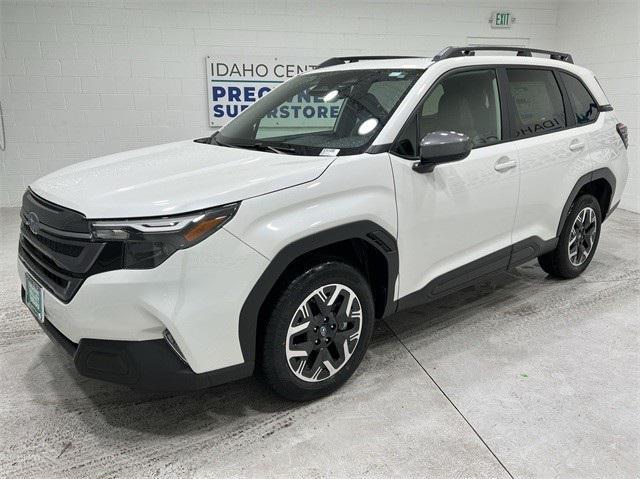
(150, 365)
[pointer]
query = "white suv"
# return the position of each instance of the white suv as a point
(362, 188)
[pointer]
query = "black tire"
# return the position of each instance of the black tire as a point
(558, 262)
(288, 312)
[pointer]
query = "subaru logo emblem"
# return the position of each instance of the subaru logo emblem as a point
(33, 223)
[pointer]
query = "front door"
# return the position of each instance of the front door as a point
(455, 223)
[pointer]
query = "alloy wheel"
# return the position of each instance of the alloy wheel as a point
(324, 332)
(582, 236)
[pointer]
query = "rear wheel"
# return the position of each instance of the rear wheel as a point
(318, 331)
(578, 240)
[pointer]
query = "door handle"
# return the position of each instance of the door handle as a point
(576, 145)
(504, 163)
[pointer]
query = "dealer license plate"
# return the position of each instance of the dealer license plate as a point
(34, 297)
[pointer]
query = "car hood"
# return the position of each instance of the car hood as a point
(173, 178)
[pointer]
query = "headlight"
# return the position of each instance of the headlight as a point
(148, 242)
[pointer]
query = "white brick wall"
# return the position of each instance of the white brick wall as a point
(603, 36)
(85, 78)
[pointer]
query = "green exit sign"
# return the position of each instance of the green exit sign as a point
(501, 20)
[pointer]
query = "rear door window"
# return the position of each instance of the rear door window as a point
(538, 101)
(584, 106)
(466, 102)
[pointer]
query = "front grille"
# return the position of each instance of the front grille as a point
(71, 250)
(56, 247)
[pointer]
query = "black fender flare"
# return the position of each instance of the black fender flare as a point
(371, 232)
(601, 173)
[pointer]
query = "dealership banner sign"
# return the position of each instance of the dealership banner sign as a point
(234, 83)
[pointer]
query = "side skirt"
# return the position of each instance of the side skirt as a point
(469, 274)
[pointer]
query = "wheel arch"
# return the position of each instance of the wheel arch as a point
(363, 241)
(601, 183)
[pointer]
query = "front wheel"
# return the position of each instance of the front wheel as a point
(318, 331)
(578, 240)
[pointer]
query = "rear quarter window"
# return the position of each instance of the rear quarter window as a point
(584, 106)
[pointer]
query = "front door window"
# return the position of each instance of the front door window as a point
(466, 102)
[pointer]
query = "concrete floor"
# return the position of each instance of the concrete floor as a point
(522, 376)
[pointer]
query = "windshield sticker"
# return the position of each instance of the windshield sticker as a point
(330, 152)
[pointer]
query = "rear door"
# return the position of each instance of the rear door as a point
(551, 150)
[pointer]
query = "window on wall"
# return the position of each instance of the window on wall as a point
(539, 107)
(466, 102)
(585, 107)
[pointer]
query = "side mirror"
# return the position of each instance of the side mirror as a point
(441, 147)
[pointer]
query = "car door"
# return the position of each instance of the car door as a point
(455, 222)
(552, 153)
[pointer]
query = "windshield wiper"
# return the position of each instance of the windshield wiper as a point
(283, 150)
(288, 150)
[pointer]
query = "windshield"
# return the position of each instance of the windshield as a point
(339, 111)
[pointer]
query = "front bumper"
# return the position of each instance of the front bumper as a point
(114, 324)
(150, 364)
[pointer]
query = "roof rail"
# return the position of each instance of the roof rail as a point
(343, 60)
(451, 52)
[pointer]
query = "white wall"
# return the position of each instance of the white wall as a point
(81, 79)
(603, 36)
(85, 78)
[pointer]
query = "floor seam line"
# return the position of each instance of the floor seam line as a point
(452, 403)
